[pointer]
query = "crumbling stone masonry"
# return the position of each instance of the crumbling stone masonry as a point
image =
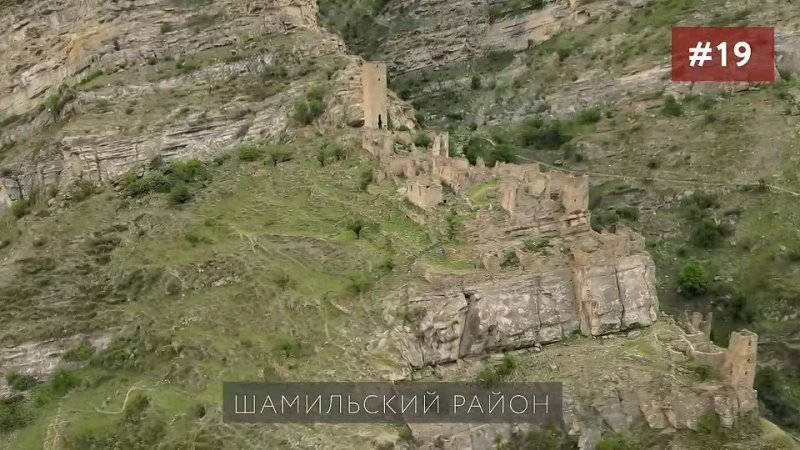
(605, 283)
(735, 365)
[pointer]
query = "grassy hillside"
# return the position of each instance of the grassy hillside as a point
(260, 274)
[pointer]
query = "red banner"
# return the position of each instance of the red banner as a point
(723, 54)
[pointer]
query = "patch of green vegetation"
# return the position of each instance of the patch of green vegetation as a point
(14, 414)
(277, 254)
(483, 193)
(540, 246)
(308, 109)
(493, 375)
(603, 220)
(81, 190)
(55, 103)
(704, 372)
(510, 259)
(250, 152)
(83, 352)
(780, 396)
(548, 437)
(422, 139)
(693, 279)
(21, 207)
(174, 178)
(20, 382)
(619, 441)
(671, 107)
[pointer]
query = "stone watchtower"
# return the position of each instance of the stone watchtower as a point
(739, 364)
(376, 104)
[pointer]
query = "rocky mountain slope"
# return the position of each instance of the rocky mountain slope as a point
(203, 191)
(705, 171)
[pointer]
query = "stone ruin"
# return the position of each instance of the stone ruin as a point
(595, 285)
(588, 283)
(736, 365)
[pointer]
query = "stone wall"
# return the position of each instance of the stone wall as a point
(425, 192)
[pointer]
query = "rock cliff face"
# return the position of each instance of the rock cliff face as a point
(435, 33)
(160, 80)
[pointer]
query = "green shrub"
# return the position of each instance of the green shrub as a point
(81, 190)
(56, 102)
(83, 352)
(510, 259)
(502, 153)
(535, 133)
(506, 366)
(133, 186)
(709, 423)
(356, 225)
(136, 407)
(279, 154)
(618, 441)
(589, 115)
(250, 152)
(488, 376)
(603, 220)
(20, 382)
(540, 246)
(21, 207)
(704, 372)
(283, 280)
(549, 437)
(671, 107)
(422, 139)
(692, 278)
(287, 347)
(627, 213)
(453, 223)
(323, 155)
(180, 193)
(308, 109)
(493, 375)
(475, 83)
(359, 283)
(709, 232)
(189, 171)
(14, 414)
(366, 176)
(63, 381)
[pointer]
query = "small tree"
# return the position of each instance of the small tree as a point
(671, 107)
(279, 154)
(475, 83)
(693, 279)
(249, 152)
(180, 193)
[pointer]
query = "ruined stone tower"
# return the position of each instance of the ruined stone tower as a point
(739, 365)
(373, 82)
